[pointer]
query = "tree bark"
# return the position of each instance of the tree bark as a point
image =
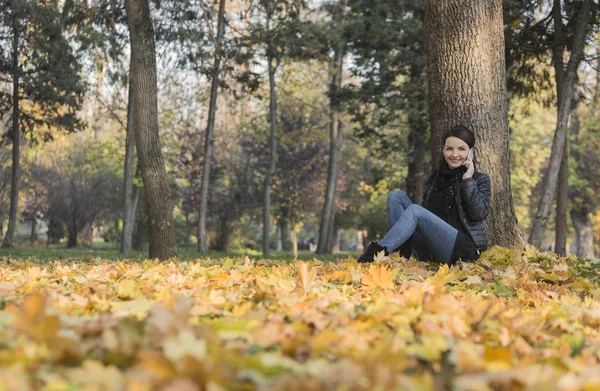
(540, 221)
(161, 227)
(210, 128)
(16, 141)
(273, 141)
(466, 71)
(325, 244)
(130, 191)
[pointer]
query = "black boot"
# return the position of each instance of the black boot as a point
(371, 251)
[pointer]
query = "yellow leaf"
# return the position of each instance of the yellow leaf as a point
(305, 277)
(379, 276)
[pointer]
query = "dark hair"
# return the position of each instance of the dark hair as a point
(461, 132)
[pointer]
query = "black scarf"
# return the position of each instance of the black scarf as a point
(447, 182)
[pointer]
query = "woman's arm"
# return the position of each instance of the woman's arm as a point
(475, 195)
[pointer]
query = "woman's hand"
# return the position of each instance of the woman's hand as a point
(470, 169)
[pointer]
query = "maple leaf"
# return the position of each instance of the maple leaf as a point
(379, 276)
(306, 276)
(380, 257)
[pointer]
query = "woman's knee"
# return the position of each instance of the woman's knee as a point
(416, 210)
(396, 197)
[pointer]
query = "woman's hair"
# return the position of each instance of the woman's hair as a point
(461, 132)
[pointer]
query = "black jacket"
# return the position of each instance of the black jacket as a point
(473, 200)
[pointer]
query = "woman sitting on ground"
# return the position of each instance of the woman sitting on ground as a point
(449, 224)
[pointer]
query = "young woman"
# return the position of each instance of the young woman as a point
(449, 224)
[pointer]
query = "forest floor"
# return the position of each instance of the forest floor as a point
(512, 320)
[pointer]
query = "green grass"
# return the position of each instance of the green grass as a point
(111, 251)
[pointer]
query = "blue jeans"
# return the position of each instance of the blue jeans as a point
(429, 236)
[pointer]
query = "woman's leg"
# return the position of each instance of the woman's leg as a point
(397, 202)
(434, 234)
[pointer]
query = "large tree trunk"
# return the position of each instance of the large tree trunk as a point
(161, 227)
(466, 70)
(16, 141)
(538, 231)
(130, 191)
(210, 128)
(325, 244)
(273, 143)
(285, 232)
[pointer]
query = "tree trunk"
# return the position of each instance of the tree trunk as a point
(466, 71)
(538, 231)
(224, 230)
(16, 141)
(210, 128)
(562, 205)
(562, 201)
(581, 215)
(583, 222)
(294, 236)
(72, 238)
(284, 225)
(33, 236)
(325, 245)
(161, 227)
(130, 191)
(140, 231)
(187, 230)
(273, 143)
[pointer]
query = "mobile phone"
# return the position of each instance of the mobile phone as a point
(470, 155)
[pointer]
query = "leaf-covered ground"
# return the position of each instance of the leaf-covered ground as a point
(513, 320)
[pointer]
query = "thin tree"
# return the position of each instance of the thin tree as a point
(272, 64)
(327, 226)
(567, 89)
(161, 227)
(585, 159)
(210, 129)
(131, 192)
(15, 135)
(467, 85)
(562, 198)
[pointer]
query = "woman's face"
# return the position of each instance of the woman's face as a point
(455, 152)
